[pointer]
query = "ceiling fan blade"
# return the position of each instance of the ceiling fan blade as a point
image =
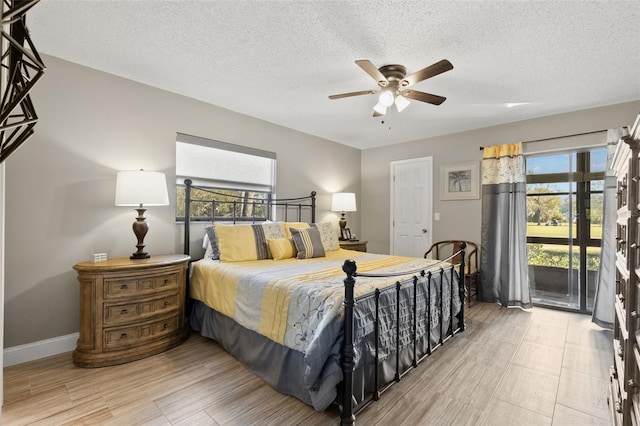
(424, 97)
(374, 72)
(428, 72)
(346, 95)
(377, 114)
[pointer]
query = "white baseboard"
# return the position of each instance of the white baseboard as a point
(41, 349)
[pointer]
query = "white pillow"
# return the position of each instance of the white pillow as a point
(328, 235)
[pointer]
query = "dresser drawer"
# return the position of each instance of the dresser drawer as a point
(118, 313)
(119, 337)
(130, 308)
(128, 287)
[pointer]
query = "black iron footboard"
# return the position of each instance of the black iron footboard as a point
(402, 292)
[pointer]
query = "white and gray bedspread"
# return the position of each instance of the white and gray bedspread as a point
(297, 305)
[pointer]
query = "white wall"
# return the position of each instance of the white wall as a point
(60, 185)
(461, 219)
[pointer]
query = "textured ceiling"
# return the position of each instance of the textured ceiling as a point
(279, 60)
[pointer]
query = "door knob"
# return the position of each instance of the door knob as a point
(425, 230)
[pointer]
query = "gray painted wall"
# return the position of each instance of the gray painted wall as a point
(461, 219)
(60, 185)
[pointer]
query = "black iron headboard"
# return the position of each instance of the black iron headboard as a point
(276, 208)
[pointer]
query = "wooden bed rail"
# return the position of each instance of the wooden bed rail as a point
(347, 361)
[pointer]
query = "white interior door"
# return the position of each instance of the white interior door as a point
(411, 206)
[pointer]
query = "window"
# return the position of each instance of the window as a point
(231, 172)
(564, 226)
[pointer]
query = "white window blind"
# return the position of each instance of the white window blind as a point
(215, 164)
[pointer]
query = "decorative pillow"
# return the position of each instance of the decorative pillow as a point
(281, 248)
(206, 245)
(289, 225)
(246, 242)
(307, 242)
(328, 236)
(272, 229)
(211, 241)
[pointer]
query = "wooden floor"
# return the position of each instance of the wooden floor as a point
(509, 367)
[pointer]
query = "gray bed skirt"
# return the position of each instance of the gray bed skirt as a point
(280, 367)
(287, 371)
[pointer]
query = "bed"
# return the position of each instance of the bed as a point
(320, 323)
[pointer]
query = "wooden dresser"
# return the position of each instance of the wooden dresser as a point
(624, 395)
(130, 309)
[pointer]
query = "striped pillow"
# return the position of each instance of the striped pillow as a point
(212, 249)
(307, 242)
(246, 242)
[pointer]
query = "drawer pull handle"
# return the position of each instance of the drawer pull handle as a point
(124, 311)
(124, 287)
(166, 280)
(166, 303)
(166, 325)
(123, 336)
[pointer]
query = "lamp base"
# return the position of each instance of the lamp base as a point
(140, 229)
(343, 220)
(343, 226)
(140, 255)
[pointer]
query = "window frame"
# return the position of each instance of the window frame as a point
(230, 188)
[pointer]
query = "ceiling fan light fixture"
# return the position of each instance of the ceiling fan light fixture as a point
(401, 103)
(393, 80)
(380, 109)
(386, 99)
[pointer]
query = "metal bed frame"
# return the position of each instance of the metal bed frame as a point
(346, 400)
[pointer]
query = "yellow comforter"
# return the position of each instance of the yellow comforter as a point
(289, 301)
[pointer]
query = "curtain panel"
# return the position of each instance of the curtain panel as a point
(503, 258)
(603, 305)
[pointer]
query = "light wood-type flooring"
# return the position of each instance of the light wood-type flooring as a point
(510, 367)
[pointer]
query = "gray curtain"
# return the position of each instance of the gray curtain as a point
(603, 305)
(503, 257)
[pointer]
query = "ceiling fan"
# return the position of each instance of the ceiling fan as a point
(393, 81)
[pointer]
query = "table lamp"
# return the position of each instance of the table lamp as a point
(141, 188)
(343, 202)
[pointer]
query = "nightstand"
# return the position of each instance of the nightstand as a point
(354, 245)
(130, 309)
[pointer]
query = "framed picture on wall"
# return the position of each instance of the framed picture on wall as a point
(460, 181)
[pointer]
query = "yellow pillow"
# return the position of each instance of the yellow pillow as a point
(281, 248)
(246, 242)
(289, 225)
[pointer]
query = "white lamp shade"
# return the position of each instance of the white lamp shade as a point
(380, 109)
(401, 103)
(343, 202)
(141, 187)
(386, 98)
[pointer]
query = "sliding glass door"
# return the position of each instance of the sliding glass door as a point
(564, 227)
